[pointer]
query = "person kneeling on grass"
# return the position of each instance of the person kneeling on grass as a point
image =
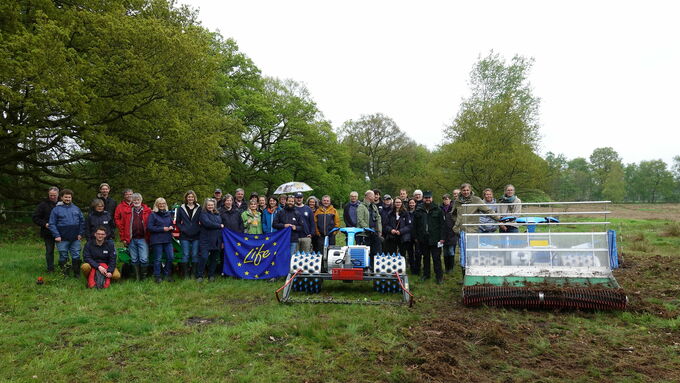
(100, 251)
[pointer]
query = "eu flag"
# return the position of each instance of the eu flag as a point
(256, 256)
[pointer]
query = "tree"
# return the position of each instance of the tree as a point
(614, 187)
(94, 91)
(602, 161)
(382, 154)
(650, 181)
(493, 139)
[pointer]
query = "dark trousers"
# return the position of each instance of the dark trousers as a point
(415, 256)
(394, 245)
(434, 252)
(320, 240)
(49, 252)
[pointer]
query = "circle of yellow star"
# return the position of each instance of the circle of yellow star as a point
(239, 264)
(266, 272)
(238, 243)
(274, 243)
(247, 273)
(256, 237)
(245, 238)
(273, 263)
(266, 238)
(257, 276)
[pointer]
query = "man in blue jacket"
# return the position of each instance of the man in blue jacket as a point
(307, 215)
(67, 225)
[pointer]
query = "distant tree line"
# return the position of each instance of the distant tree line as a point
(138, 94)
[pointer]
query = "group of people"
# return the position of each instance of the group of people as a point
(413, 226)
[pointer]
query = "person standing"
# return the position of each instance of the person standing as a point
(67, 225)
(449, 235)
(305, 239)
(41, 217)
(290, 217)
(313, 204)
(160, 228)
(104, 195)
(429, 227)
(418, 196)
(100, 250)
(122, 212)
(368, 216)
(484, 221)
(510, 204)
(349, 213)
(269, 214)
(282, 200)
(134, 235)
(398, 226)
(97, 218)
(414, 260)
(188, 215)
(261, 203)
(403, 196)
(326, 219)
(231, 217)
(240, 203)
(252, 219)
(211, 239)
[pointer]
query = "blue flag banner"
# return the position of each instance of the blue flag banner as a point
(256, 256)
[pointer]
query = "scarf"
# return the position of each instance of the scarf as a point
(506, 199)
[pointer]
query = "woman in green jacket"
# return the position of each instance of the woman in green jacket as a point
(252, 220)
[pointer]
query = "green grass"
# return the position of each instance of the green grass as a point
(233, 330)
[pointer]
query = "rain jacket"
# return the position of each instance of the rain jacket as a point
(67, 222)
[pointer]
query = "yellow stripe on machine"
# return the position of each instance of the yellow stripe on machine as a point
(538, 242)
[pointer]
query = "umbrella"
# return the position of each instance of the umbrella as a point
(292, 187)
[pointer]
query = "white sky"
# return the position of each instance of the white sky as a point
(607, 73)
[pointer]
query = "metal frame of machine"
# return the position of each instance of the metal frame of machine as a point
(308, 271)
(542, 269)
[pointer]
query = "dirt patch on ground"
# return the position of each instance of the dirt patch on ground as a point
(513, 345)
(198, 321)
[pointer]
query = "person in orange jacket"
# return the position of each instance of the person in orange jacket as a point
(326, 219)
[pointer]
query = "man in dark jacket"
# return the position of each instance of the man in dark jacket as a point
(41, 217)
(289, 217)
(429, 226)
(109, 203)
(99, 250)
(449, 235)
(349, 213)
(305, 239)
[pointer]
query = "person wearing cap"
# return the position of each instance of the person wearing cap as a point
(469, 224)
(217, 195)
(326, 219)
(349, 214)
(305, 239)
(385, 209)
(368, 216)
(429, 232)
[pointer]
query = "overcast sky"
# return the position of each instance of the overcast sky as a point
(607, 73)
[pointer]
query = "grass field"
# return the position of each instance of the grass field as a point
(234, 330)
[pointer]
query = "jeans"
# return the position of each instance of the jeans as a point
(189, 249)
(293, 247)
(159, 250)
(139, 251)
(49, 252)
(66, 247)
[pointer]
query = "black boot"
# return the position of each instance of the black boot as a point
(184, 270)
(194, 267)
(76, 267)
(448, 264)
(144, 272)
(138, 272)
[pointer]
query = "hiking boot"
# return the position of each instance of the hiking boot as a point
(76, 268)
(184, 270)
(169, 278)
(65, 268)
(138, 272)
(199, 279)
(211, 279)
(440, 281)
(158, 280)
